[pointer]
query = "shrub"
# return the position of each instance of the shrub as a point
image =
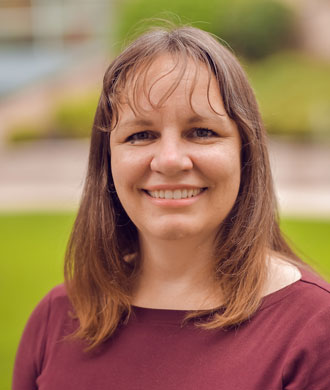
(135, 15)
(293, 92)
(71, 118)
(23, 132)
(258, 28)
(74, 118)
(254, 28)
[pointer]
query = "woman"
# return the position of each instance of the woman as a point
(176, 274)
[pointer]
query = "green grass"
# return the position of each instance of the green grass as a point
(310, 238)
(32, 250)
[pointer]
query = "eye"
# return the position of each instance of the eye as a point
(140, 137)
(201, 132)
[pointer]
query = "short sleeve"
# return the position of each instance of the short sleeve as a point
(30, 353)
(307, 365)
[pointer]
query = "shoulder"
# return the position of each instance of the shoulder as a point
(297, 319)
(307, 362)
(57, 292)
(315, 283)
(314, 294)
(305, 306)
(57, 295)
(296, 289)
(56, 299)
(44, 325)
(48, 316)
(313, 291)
(299, 306)
(54, 311)
(52, 308)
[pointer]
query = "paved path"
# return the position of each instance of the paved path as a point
(302, 177)
(49, 176)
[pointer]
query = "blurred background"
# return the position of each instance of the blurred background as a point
(53, 54)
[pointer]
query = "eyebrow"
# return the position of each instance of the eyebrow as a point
(137, 122)
(145, 122)
(198, 118)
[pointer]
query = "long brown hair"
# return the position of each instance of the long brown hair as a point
(97, 274)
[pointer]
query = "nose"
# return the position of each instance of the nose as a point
(171, 157)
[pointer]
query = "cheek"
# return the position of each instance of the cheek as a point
(121, 175)
(223, 164)
(127, 168)
(232, 161)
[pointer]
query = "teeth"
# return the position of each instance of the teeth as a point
(168, 194)
(175, 194)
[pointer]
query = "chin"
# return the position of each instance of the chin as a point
(173, 235)
(174, 232)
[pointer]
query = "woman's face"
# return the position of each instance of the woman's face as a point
(176, 168)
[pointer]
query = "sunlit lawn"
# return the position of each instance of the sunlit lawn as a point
(32, 250)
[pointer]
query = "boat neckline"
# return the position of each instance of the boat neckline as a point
(266, 301)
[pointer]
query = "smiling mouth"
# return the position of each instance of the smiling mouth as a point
(175, 194)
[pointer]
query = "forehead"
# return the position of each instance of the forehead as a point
(168, 78)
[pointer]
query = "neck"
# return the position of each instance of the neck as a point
(176, 274)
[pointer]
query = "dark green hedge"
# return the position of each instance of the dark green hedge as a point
(253, 28)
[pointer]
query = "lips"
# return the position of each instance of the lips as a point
(182, 193)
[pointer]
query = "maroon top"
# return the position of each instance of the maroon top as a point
(285, 345)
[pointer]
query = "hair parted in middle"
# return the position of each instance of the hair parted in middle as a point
(102, 259)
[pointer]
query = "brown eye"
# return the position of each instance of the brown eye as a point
(140, 136)
(203, 133)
